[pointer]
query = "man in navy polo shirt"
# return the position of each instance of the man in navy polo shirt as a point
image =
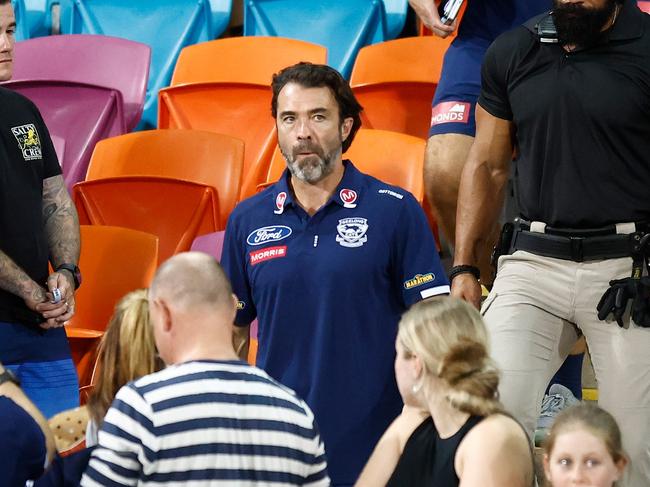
(328, 259)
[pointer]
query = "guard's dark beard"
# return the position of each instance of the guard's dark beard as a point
(579, 25)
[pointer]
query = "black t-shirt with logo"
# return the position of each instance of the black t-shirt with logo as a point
(582, 122)
(27, 158)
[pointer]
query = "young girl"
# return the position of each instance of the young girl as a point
(584, 448)
(452, 431)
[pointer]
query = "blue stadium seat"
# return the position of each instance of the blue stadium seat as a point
(342, 27)
(221, 10)
(165, 25)
(395, 17)
(30, 18)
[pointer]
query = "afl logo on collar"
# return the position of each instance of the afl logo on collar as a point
(279, 203)
(348, 197)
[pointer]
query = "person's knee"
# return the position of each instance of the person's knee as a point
(443, 164)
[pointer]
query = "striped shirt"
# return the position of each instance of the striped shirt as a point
(205, 423)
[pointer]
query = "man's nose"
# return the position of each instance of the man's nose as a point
(303, 129)
(5, 42)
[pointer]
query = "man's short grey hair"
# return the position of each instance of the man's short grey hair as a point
(191, 279)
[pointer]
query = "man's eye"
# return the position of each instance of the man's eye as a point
(319, 118)
(288, 119)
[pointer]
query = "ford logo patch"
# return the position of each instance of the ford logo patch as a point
(268, 234)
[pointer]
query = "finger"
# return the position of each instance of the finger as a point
(52, 281)
(55, 313)
(67, 316)
(52, 323)
(48, 306)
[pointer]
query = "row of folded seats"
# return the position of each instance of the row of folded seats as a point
(167, 26)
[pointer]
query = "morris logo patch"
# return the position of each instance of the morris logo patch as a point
(418, 280)
(352, 232)
(28, 141)
(264, 235)
(268, 253)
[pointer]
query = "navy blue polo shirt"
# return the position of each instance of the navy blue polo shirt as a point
(328, 291)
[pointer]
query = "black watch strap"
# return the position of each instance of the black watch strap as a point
(74, 270)
(464, 269)
(8, 376)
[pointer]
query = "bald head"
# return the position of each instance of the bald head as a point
(192, 280)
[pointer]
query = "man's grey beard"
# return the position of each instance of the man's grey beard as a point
(313, 168)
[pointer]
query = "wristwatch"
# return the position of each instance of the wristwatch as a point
(9, 376)
(74, 270)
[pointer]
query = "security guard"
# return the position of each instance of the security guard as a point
(571, 90)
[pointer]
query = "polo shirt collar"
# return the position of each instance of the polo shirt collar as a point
(346, 194)
(629, 24)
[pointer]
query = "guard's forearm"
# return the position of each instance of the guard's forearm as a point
(16, 281)
(480, 199)
(61, 222)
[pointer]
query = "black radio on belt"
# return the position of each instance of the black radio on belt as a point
(503, 244)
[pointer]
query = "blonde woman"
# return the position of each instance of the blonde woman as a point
(453, 431)
(127, 352)
(584, 447)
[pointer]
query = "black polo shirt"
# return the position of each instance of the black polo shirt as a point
(582, 122)
(27, 158)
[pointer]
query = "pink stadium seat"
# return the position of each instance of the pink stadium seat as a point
(86, 95)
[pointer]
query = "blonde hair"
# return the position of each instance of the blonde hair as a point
(127, 351)
(595, 420)
(449, 337)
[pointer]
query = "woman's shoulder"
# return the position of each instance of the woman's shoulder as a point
(497, 439)
(498, 427)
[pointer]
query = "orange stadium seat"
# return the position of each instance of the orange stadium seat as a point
(395, 82)
(174, 210)
(115, 261)
(224, 86)
(395, 158)
(208, 158)
(644, 5)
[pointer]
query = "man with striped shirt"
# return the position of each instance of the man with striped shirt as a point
(208, 418)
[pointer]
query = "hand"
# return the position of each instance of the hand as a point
(58, 314)
(427, 11)
(466, 287)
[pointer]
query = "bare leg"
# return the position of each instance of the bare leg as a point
(443, 164)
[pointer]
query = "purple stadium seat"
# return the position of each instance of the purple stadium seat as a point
(94, 90)
(211, 243)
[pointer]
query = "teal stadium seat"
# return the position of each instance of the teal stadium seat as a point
(395, 17)
(342, 27)
(167, 26)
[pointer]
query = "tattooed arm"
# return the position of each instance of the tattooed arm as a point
(16, 281)
(62, 231)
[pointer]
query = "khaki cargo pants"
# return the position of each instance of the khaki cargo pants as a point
(534, 312)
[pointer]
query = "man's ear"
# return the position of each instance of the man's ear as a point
(166, 315)
(346, 127)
